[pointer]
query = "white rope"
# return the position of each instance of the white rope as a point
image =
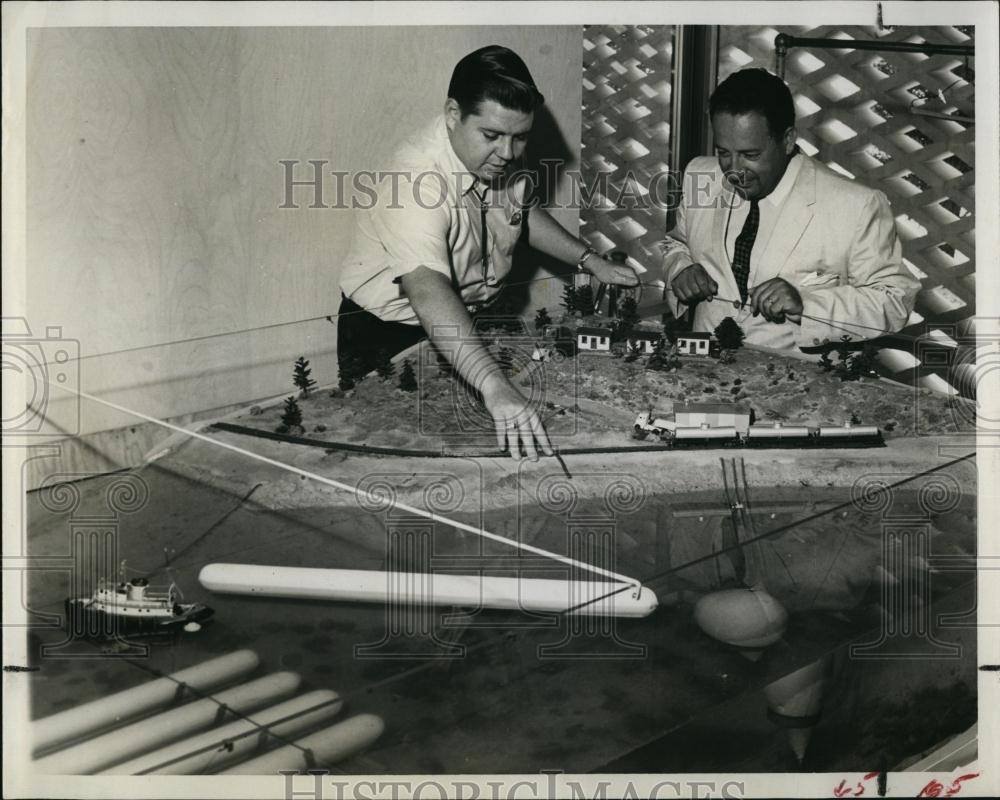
(356, 490)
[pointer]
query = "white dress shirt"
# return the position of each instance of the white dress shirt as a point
(770, 211)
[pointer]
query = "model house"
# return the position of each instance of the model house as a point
(645, 341)
(697, 344)
(593, 339)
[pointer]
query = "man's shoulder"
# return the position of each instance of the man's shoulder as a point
(424, 148)
(422, 167)
(702, 179)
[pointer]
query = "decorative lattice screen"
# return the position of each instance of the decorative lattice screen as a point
(627, 72)
(856, 112)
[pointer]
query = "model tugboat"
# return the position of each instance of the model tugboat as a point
(133, 608)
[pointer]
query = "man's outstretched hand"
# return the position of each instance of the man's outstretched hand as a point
(610, 272)
(777, 300)
(517, 423)
(693, 285)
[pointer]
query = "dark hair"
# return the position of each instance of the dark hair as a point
(493, 73)
(755, 90)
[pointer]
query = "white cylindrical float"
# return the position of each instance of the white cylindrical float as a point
(327, 746)
(592, 598)
(117, 745)
(219, 747)
(121, 706)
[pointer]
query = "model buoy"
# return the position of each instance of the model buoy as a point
(795, 701)
(750, 619)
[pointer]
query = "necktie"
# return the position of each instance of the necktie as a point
(744, 246)
(483, 237)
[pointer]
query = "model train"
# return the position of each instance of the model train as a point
(774, 434)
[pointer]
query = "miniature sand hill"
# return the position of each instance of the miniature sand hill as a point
(590, 397)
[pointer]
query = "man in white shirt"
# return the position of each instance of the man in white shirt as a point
(440, 246)
(798, 255)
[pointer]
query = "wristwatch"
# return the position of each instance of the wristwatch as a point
(590, 251)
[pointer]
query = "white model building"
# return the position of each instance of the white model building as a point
(644, 340)
(594, 339)
(694, 344)
(712, 415)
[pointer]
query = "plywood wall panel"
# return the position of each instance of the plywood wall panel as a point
(154, 186)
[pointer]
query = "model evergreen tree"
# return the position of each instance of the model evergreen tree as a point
(851, 366)
(584, 299)
(300, 375)
(628, 312)
(843, 348)
(618, 334)
(658, 358)
(292, 416)
(407, 378)
(671, 327)
(351, 372)
(729, 334)
(862, 364)
(542, 319)
(385, 368)
(569, 297)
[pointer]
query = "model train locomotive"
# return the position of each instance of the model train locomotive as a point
(721, 425)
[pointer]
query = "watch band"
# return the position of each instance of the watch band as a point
(590, 251)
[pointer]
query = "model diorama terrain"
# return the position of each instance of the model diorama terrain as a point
(590, 381)
(756, 570)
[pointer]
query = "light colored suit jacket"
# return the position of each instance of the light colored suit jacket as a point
(835, 242)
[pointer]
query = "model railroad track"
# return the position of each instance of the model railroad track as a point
(374, 450)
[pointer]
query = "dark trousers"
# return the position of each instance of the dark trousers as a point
(363, 339)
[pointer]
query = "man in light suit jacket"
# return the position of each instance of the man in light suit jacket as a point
(798, 255)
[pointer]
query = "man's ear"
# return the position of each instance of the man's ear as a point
(789, 141)
(452, 113)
